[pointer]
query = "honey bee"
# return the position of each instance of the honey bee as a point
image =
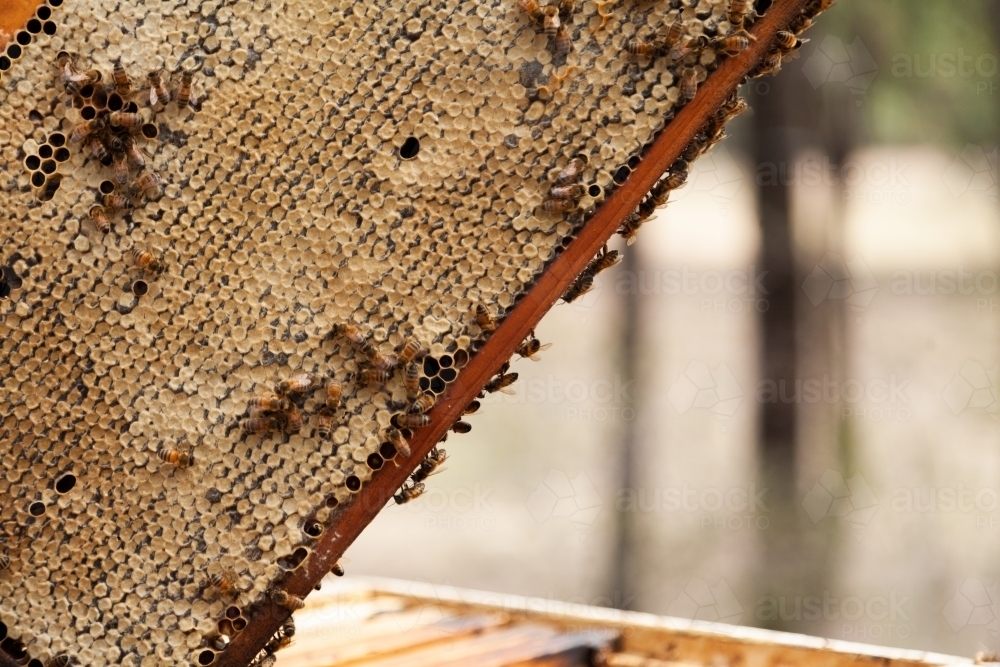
(71, 79)
(571, 172)
(689, 85)
(135, 154)
(287, 600)
(637, 47)
(986, 657)
(461, 427)
(324, 423)
(334, 392)
(262, 404)
(297, 384)
(126, 120)
(678, 175)
(605, 260)
(787, 41)
(501, 381)
(686, 47)
(771, 64)
(145, 260)
(583, 284)
(383, 362)
(184, 91)
(423, 403)
(374, 376)
(58, 661)
(406, 420)
(411, 382)
(674, 33)
(4, 562)
(739, 12)
(87, 128)
(562, 40)
(429, 465)
(733, 107)
(260, 425)
(566, 8)
(149, 185)
(226, 583)
(293, 419)
(100, 218)
(117, 203)
(472, 407)
(288, 627)
(337, 570)
(531, 8)
(408, 493)
(121, 169)
(628, 231)
(158, 92)
(411, 350)
(530, 348)
(349, 331)
(550, 20)
(279, 641)
(558, 205)
(733, 44)
(399, 442)
(123, 84)
(96, 149)
(175, 457)
(566, 191)
(484, 318)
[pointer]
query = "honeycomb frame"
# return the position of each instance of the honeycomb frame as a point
(571, 244)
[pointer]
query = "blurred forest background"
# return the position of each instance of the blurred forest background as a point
(781, 409)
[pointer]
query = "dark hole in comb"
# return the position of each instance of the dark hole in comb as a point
(106, 187)
(55, 3)
(226, 627)
(115, 102)
(34, 26)
(32, 162)
(446, 361)
(35, 116)
(132, 107)
(100, 99)
(38, 179)
(65, 483)
(437, 385)
(314, 529)
(431, 366)
(332, 501)
(87, 91)
(43, 12)
(139, 288)
(239, 624)
(4, 63)
(57, 139)
(149, 130)
(13, 51)
(461, 358)
(4, 290)
(45, 151)
(622, 174)
(387, 450)
(62, 154)
(88, 113)
(409, 149)
(206, 657)
(49, 28)
(233, 612)
(49, 167)
(35, 662)
(36, 509)
(594, 190)
(375, 461)
(297, 557)
(353, 483)
(3, 631)
(24, 38)
(634, 161)
(425, 384)
(448, 374)
(762, 6)
(16, 649)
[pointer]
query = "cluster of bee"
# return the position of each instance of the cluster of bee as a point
(280, 412)
(566, 191)
(111, 135)
(585, 281)
(281, 639)
(552, 19)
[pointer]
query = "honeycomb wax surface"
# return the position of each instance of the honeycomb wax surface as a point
(288, 207)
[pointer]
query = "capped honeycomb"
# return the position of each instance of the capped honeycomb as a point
(381, 168)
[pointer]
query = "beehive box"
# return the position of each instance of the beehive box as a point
(381, 165)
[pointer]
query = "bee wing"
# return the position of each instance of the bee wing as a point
(535, 356)
(153, 98)
(508, 390)
(440, 470)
